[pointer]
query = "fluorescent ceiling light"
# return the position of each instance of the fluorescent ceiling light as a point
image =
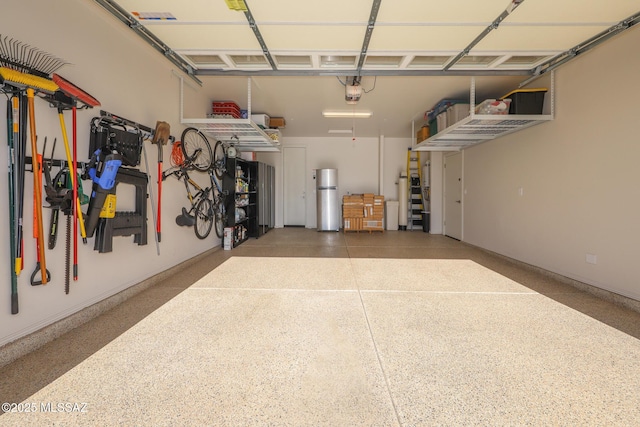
(348, 114)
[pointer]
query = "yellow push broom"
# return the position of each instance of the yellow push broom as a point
(32, 83)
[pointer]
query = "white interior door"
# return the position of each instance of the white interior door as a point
(295, 203)
(453, 196)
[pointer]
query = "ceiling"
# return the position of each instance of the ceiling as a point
(406, 54)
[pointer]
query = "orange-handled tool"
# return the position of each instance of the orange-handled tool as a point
(37, 193)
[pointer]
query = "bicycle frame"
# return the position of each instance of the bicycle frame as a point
(197, 195)
(207, 205)
(200, 192)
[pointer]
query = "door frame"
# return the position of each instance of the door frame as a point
(461, 153)
(284, 192)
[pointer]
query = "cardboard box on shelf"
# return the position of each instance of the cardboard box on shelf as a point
(422, 134)
(277, 122)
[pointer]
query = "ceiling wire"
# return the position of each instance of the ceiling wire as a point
(353, 128)
(357, 80)
(375, 79)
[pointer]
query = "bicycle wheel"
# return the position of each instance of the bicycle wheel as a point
(204, 218)
(219, 159)
(220, 218)
(196, 149)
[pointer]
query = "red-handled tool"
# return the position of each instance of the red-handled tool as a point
(160, 138)
(76, 205)
(76, 95)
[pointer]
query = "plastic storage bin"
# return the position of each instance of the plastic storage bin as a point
(226, 109)
(261, 120)
(526, 101)
(441, 107)
(493, 106)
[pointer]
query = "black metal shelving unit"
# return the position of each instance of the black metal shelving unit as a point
(240, 183)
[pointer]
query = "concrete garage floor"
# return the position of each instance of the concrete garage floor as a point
(330, 329)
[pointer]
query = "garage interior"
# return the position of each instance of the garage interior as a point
(526, 316)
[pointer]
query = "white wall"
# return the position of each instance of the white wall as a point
(356, 161)
(131, 80)
(437, 180)
(395, 161)
(579, 176)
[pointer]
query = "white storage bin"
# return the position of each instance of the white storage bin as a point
(261, 120)
(457, 112)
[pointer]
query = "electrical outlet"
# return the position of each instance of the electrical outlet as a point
(591, 259)
(520, 191)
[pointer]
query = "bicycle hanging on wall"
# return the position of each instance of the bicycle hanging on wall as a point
(206, 205)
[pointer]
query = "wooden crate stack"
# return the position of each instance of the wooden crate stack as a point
(352, 212)
(363, 212)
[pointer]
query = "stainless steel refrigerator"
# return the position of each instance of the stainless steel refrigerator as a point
(327, 200)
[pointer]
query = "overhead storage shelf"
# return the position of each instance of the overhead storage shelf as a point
(477, 128)
(243, 134)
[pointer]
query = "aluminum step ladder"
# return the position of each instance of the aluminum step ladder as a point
(414, 176)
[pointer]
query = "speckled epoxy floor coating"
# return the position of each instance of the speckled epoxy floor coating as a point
(305, 328)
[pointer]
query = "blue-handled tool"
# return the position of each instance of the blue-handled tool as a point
(102, 186)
